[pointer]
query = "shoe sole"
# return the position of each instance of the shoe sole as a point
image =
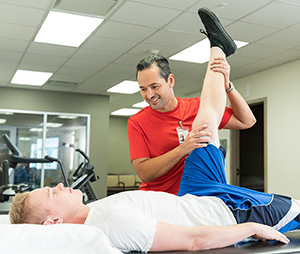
(219, 25)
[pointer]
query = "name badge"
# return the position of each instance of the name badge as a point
(182, 132)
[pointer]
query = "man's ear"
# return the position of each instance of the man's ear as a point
(51, 222)
(171, 80)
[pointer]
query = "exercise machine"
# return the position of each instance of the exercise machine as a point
(81, 177)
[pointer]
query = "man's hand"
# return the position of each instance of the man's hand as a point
(149, 169)
(264, 233)
(198, 137)
(170, 237)
(221, 65)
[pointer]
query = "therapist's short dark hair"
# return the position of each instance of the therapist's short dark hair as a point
(161, 62)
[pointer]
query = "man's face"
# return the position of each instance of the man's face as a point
(57, 201)
(155, 90)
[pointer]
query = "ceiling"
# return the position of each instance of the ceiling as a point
(132, 29)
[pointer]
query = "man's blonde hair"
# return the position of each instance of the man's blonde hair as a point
(23, 212)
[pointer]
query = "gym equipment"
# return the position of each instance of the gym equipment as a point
(82, 176)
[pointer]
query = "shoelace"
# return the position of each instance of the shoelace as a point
(203, 32)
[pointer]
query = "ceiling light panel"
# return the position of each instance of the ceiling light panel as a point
(33, 78)
(125, 112)
(66, 29)
(199, 52)
(125, 87)
(140, 104)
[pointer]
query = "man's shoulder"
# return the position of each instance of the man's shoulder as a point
(188, 100)
(142, 113)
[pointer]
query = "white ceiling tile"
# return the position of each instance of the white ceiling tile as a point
(50, 49)
(249, 32)
(119, 30)
(96, 55)
(43, 59)
(13, 45)
(132, 59)
(295, 27)
(286, 15)
(286, 56)
(235, 9)
(85, 64)
(67, 78)
(174, 39)
(295, 2)
(256, 66)
(91, 88)
(19, 32)
(144, 14)
(82, 73)
(176, 4)
(29, 17)
(237, 61)
(145, 49)
(38, 67)
(8, 64)
(3, 82)
(109, 44)
(10, 55)
(283, 38)
(120, 68)
(32, 3)
(56, 88)
(261, 51)
(108, 77)
(186, 23)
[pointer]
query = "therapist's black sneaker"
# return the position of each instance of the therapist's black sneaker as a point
(215, 32)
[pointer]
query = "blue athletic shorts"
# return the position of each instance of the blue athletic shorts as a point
(204, 175)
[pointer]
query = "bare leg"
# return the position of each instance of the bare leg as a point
(213, 98)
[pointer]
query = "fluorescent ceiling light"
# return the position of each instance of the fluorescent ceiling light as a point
(6, 113)
(66, 29)
(2, 121)
(32, 78)
(24, 139)
(36, 129)
(125, 112)
(67, 117)
(199, 52)
(53, 125)
(140, 104)
(126, 87)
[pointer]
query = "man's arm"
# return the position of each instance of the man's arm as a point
(170, 237)
(242, 117)
(151, 168)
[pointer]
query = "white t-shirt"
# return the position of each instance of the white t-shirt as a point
(129, 218)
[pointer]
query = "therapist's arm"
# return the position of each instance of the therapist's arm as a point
(170, 237)
(242, 116)
(149, 169)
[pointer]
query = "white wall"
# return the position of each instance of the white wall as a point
(281, 87)
(118, 147)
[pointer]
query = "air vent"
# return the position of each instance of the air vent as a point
(57, 83)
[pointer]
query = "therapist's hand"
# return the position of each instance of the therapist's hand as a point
(221, 65)
(196, 138)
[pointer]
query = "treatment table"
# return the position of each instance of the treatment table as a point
(267, 247)
(82, 239)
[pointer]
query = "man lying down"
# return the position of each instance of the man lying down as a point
(156, 221)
